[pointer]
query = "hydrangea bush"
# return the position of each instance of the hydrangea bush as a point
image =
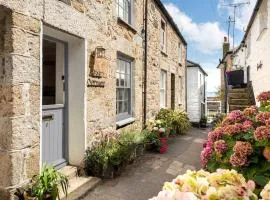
(222, 184)
(242, 142)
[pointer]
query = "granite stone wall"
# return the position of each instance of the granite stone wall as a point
(96, 22)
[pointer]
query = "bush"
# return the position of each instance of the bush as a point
(175, 122)
(241, 142)
(106, 159)
(152, 140)
(45, 185)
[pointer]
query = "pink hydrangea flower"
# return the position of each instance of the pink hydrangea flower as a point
(206, 153)
(262, 133)
(216, 134)
(263, 117)
(238, 160)
(247, 125)
(232, 129)
(236, 116)
(264, 96)
(220, 146)
(243, 148)
(250, 111)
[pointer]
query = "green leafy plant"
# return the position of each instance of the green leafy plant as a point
(45, 185)
(112, 154)
(175, 122)
(152, 140)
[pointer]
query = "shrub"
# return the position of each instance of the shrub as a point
(241, 142)
(108, 157)
(45, 185)
(175, 122)
(152, 140)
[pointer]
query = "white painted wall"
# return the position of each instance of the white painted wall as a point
(259, 44)
(196, 81)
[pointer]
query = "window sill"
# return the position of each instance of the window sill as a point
(127, 25)
(124, 122)
(164, 53)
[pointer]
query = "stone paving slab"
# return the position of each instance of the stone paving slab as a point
(144, 178)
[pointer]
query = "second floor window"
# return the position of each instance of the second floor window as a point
(163, 36)
(123, 8)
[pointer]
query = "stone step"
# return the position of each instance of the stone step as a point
(237, 90)
(237, 107)
(69, 171)
(79, 187)
(240, 101)
(240, 95)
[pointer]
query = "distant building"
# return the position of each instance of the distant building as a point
(213, 105)
(248, 62)
(196, 91)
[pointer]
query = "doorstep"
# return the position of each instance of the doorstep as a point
(79, 186)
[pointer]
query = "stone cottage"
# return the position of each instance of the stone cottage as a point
(70, 69)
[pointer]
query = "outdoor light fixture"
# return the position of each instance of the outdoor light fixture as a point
(100, 52)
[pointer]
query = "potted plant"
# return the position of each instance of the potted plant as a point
(46, 185)
(203, 122)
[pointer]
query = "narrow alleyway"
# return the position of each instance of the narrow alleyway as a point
(145, 178)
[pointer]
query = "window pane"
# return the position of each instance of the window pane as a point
(122, 67)
(117, 79)
(127, 82)
(120, 12)
(125, 106)
(127, 68)
(126, 94)
(122, 80)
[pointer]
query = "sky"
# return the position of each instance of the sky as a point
(204, 23)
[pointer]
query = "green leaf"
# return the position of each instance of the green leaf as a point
(261, 180)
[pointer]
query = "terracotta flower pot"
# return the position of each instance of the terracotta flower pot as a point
(266, 153)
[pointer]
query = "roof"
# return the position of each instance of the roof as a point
(253, 16)
(224, 57)
(193, 64)
(170, 19)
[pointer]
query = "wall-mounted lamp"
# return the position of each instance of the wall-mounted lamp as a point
(259, 65)
(100, 52)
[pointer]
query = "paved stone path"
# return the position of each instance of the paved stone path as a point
(144, 178)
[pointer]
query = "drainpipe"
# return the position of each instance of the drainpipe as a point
(145, 64)
(186, 80)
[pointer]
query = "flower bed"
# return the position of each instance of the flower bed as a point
(242, 142)
(222, 184)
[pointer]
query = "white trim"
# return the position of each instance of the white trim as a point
(40, 94)
(125, 121)
(85, 94)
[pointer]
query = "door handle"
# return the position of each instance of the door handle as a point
(47, 118)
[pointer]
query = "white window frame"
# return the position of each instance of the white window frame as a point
(180, 89)
(163, 36)
(124, 10)
(163, 89)
(124, 72)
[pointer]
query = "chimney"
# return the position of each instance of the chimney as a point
(226, 46)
